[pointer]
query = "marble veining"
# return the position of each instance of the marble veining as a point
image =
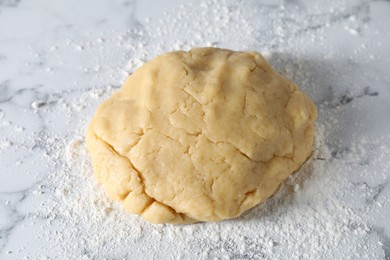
(52, 52)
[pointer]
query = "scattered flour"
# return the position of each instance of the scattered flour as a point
(307, 219)
(323, 211)
(5, 143)
(35, 105)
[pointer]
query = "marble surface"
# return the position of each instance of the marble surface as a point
(53, 52)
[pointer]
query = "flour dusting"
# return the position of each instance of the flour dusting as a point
(326, 210)
(307, 218)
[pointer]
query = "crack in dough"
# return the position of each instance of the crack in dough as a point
(150, 206)
(202, 135)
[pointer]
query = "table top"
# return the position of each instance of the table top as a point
(60, 59)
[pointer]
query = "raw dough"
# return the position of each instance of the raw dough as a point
(202, 135)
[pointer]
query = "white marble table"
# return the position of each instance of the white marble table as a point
(59, 59)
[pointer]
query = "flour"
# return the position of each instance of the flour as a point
(5, 143)
(35, 105)
(307, 218)
(323, 211)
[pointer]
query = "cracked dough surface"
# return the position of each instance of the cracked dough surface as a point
(202, 135)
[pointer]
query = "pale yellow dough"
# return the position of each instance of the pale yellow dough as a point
(202, 135)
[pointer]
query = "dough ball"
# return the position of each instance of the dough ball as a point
(202, 135)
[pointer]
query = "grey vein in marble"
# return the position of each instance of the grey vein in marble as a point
(51, 53)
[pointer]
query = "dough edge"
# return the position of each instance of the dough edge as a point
(123, 182)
